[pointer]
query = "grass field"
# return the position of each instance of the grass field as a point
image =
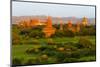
(19, 50)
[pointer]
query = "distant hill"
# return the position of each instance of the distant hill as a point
(16, 19)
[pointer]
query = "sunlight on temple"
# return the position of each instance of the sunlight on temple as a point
(23, 24)
(36, 22)
(30, 23)
(85, 21)
(69, 24)
(78, 26)
(49, 29)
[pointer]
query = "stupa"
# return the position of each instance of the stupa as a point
(78, 27)
(85, 21)
(61, 25)
(49, 29)
(69, 24)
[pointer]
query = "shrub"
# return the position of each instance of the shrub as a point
(61, 49)
(46, 48)
(30, 61)
(36, 34)
(32, 51)
(44, 57)
(17, 61)
(70, 47)
(15, 38)
(35, 41)
(84, 43)
(24, 31)
(49, 52)
(83, 52)
(70, 33)
(60, 56)
(70, 60)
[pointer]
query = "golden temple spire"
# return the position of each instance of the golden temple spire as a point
(49, 29)
(85, 21)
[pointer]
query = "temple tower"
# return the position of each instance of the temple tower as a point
(69, 24)
(78, 27)
(49, 29)
(85, 21)
(61, 23)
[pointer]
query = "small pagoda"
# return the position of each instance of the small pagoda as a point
(78, 26)
(70, 26)
(61, 25)
(49, 29)
(85, 21)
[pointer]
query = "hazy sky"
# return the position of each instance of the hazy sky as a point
(29, 9)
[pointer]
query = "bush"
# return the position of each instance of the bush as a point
(49, 52)
(32, 51)
(30, 61)
(82, 53)
(70, 60)
(46, 47)
(60, 56)
(70, 33)
(59, 34)
(24, 32)
(36, 34)
(15, 38)
(35, 41)
(17, 61)
(89, 30)
(84, 43)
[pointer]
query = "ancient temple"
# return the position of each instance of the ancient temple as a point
(77, 26)
(69, 24)
(49, 29)
(36, 22)
(85, 21)
(61, 25)
(31, 23)
(23, 24)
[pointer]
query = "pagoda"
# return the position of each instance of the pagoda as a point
(35, 22)
(78, 27)
(69, 25)
(31, 23)
(49, 29)
(85, 21)
(61, 25)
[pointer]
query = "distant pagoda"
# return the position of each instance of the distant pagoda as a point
(31, 23)
(49, 29)
(78, 26)
(85, 21)
(70, 26)
(61, 25)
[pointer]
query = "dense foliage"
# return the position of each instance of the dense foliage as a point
(47, 50)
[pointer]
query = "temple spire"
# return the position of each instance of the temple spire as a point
(78, 26)
(49, 29)
(85, 21)
(61, 23)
